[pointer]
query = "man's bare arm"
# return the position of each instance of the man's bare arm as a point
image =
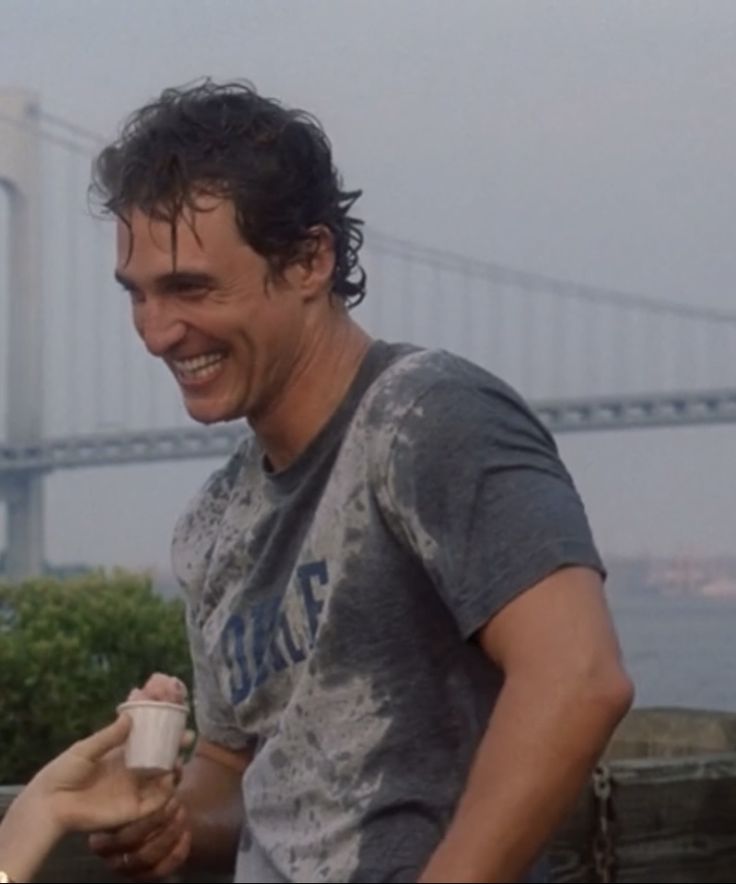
(564, 692)
(212, 793)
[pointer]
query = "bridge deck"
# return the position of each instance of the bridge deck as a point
(184, 443)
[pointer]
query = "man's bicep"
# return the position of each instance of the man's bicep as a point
(562, 621)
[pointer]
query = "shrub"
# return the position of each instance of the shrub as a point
(70, 650)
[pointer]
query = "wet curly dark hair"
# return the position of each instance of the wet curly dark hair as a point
(273, 162)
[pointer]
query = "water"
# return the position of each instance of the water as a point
(679, 651)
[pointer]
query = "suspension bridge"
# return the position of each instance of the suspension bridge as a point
(77, 389)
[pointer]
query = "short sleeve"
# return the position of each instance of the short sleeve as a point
(192, 543)
(473, 485)
(213, 714)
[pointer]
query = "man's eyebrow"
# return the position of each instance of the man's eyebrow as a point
(124, 280)
(170, 280)
(187, 278)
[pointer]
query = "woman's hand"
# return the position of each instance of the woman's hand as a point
(88, 787)
(85, 788)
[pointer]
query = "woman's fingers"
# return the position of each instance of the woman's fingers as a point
(130, 837)
(101, 742)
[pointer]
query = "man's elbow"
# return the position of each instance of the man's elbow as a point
(609, 694)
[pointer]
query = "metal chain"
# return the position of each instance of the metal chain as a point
(604, 857)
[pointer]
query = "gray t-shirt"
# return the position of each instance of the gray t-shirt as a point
(331, 608)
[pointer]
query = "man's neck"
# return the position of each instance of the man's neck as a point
(315, 390)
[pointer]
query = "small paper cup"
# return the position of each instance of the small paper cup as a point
(154, 740)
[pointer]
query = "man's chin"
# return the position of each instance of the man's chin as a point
(208, 416)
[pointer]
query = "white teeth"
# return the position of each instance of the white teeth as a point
(198, 361)
(198, 367)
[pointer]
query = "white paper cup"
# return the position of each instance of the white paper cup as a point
(154, 740)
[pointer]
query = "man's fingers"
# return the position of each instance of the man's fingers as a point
(154, 794)
(176, 858)
(129, 837)
(159, 847)
(162, 853)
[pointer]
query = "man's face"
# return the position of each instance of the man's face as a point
(229, 331)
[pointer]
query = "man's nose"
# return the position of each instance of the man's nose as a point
(159, 325)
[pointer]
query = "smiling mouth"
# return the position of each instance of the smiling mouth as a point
(198, 368)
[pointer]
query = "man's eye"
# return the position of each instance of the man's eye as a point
(135, 296)
(191, 290)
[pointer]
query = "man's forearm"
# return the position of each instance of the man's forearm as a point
(533, 761)
(212, 796)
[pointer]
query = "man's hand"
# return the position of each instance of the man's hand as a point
(151, 848)
(200, 825)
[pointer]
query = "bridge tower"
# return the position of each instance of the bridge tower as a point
(21, 366)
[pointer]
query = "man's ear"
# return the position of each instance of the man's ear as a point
(313, 268)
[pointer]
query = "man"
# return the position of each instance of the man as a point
(404, 665)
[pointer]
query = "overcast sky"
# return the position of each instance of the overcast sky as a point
(594, 142)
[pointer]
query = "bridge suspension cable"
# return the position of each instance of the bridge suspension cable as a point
(72, 128)
(441, 259)
(548, 285)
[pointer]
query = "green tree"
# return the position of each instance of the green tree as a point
(70, 650)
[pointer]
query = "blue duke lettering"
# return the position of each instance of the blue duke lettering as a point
(265, 639)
